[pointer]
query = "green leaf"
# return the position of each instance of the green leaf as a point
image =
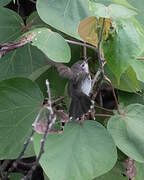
(122, 48)
(52, 44)
(128, 80)
(57, 83)
(139, 171)
(45, 176)
(139, 5)
(64, 15)
(120, 2)
(127, 131)
(26, 61)
(11, 25)
(21, 99)
(115, 174)
(138, 66)
(16, 176)
(4, 2)
(130, 98)
(80, 153)
(113, 11)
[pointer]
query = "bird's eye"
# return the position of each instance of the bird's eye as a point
(82, 65)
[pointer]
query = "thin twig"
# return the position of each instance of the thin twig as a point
(55, 102)
(100, 73)
(10, 46)
(18, 4)
(95, 79)
(99, 48)
(103, 115)
(27, 26)
(50, 121)
(81, 44)
(140, 58)
(84, 52)
(15, 163)
(114, 94)
(99, 107)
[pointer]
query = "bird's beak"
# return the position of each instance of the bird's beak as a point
(86, 60)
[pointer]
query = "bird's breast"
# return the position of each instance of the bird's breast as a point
(86, 85)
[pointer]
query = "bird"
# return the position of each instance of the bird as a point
(79, 86)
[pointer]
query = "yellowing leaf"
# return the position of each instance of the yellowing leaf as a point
(89, 29)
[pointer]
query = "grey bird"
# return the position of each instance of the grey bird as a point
(79, 86)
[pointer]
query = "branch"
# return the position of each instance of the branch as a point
(140, 58)
(51, 119)
(59, 100)
(105, 109)
(6, 47)
(100, 73)
(100, 59)
(81, 44)
(29, 140)
(115, 98)
(103, 115)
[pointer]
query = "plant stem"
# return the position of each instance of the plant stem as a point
(99, 107)
(81, 44)
(115, 98)
(103, 115)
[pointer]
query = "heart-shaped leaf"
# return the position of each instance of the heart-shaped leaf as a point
(127, 131)
(52, 44)
(21, 99)
(22, 62)
(122, 48)
(89, 27)
(64, 15)
(128, 80)
(80, 153)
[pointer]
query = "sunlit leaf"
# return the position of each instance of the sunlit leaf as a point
(64, 15)
(52, 44)
(122, 48)
(113, 11)
(120, 2)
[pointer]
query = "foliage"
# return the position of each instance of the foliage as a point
(87, 151)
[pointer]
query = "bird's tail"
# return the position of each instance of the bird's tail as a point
(80, 104)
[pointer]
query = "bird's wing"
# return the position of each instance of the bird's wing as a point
(63, 70)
